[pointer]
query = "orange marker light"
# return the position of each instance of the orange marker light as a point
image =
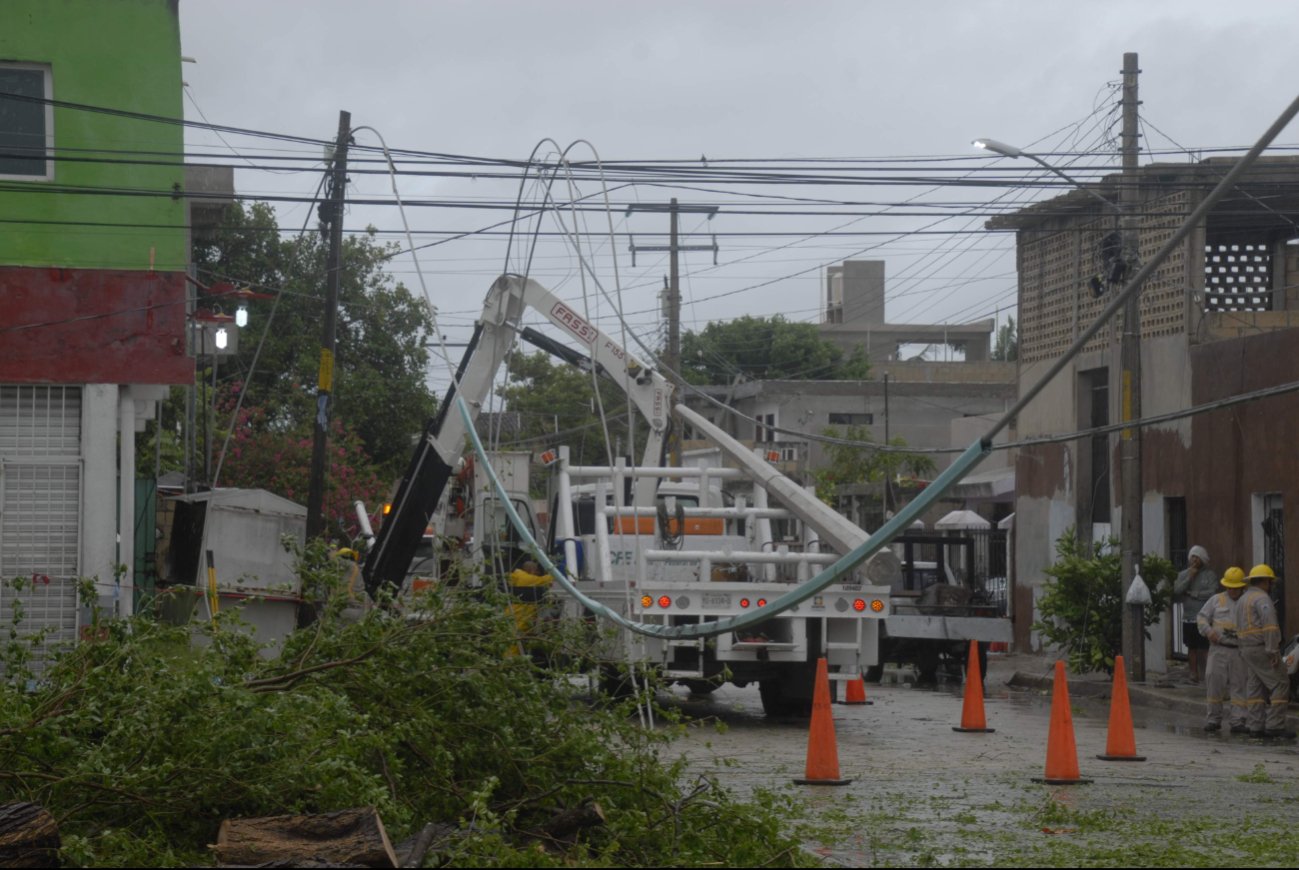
(877, 605)
(646, 601)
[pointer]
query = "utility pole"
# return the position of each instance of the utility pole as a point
(1134, 646)
(888, 483)
(672, 355)
(333, 212)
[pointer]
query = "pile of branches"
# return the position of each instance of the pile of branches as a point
(141, 742)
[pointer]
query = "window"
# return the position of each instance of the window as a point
(26, 121)
(851, 419)
(765, 430)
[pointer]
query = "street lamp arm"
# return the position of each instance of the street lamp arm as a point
(1011, 151)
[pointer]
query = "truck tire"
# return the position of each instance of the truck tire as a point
(788, 692)
(776, 702)
(616, 683)
(928, 659)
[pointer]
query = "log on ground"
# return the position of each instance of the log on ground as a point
(354, 836)
(29, 836)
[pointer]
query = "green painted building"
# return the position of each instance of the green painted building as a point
(93, 258)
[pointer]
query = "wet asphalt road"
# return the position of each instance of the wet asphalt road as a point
(925, 794)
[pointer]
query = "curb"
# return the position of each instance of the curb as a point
(1138, 694)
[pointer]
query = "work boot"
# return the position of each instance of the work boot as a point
(1238, 728)
(1212, 726)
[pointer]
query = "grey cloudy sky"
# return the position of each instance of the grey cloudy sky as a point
(729, 80)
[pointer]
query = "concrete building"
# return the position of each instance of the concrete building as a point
(917, 401)
(854, 316)
(94, 286)
(1218, 320)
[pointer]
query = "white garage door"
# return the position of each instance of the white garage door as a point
(40, 508)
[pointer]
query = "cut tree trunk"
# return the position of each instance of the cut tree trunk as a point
(29, 836)
(354, 836)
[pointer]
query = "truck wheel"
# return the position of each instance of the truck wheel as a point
(777, 702)
(616, 683)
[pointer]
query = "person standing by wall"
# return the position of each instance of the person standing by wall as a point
(1267, 687)
(1195, 586)
(1224, 672)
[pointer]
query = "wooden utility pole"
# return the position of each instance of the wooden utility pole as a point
(325, 386)
(1134, 646)
(672, 353)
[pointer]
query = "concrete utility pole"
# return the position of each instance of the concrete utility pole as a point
(1134, 646)
(672, 355)
(333, 209)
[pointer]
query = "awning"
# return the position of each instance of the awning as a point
(962, 520)
(997, 484)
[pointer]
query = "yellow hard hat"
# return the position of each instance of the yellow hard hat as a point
(1233, 578)
(1260, 572)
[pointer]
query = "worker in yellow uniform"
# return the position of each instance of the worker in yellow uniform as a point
(1224, 673)
(528, 589)
(1267, 687)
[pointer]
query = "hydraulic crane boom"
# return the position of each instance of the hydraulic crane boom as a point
(438, 452)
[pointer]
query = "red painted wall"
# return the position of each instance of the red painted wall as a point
(1246, 449)
(81, 326)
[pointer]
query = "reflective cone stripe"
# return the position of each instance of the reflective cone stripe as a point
(972, 718)
(1121, 741)
(856, 693)
(822, 752)
(1061, 750)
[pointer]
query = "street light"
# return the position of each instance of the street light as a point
(1133, 632)
(1011, 151)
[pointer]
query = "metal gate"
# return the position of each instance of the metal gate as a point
(40, 510)
(1274, 551)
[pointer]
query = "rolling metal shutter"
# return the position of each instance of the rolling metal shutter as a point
(40, 508)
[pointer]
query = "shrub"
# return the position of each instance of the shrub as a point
(1082, 608)
(140, 744)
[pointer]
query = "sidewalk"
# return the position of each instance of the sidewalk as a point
(1171, 691)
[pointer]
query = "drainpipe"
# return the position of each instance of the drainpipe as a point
(124, 590)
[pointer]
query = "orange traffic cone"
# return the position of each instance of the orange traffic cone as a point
(1120, 742)
(856, 694)
(1061, 751)
(822, 752)
(972, 718)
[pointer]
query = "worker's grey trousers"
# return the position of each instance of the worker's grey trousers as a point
(1224, 684)
(1265, 681)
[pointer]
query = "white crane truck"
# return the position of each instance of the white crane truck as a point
(658, 544)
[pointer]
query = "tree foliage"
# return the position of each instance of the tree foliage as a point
(261, 456)
(848, 464)
(379, 385)
(550, 402)
(1007, 346)
(140, 745)
(766, 348)
(1081, 609)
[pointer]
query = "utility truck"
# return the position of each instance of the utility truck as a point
(655, 543)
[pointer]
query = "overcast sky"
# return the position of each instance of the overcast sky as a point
(674, 80)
